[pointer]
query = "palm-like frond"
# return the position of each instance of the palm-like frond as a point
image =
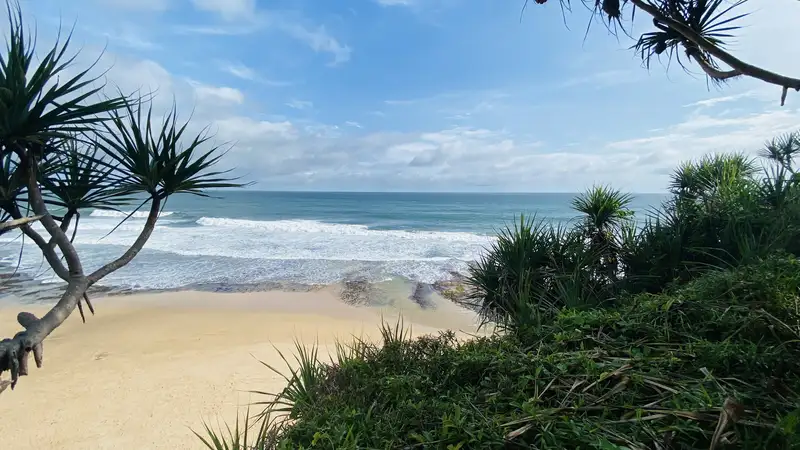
(710, 19)
(35, 105)
(685, 181)
(530, 270)
(711, 174)
(782, 149)
(517, 261)
(75, 177)
(779, 187)
(12, 184)
(188, 172)
(605, 208)
(162, 161)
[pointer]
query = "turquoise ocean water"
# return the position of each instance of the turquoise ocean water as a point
(247, 237)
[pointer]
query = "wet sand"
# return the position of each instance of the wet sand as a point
(148, 369)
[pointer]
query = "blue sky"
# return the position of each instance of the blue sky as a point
(428, 95)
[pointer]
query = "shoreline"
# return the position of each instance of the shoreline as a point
(150, 368)
(17, 289)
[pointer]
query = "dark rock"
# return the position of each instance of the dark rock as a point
(454, 289)
(356, 292)
(422, 295)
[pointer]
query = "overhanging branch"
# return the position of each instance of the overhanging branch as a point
(16, 223)
(733, 62)
(713, 72)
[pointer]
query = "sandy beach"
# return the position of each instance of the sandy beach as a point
(148, 369)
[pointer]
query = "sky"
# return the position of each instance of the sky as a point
(428, 95)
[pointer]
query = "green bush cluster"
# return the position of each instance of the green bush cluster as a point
(723, 212)
(679, 332)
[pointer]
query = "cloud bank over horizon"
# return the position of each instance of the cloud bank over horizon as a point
(428, 95)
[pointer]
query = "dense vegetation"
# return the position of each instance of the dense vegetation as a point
(681, 331)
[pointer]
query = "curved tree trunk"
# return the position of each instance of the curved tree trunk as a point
(144, 235)
(14, 352)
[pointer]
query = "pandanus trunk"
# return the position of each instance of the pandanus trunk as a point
(14, 352)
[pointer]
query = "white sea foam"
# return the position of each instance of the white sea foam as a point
(244, 251)
(316, 227)
(294, 239)
(123, 214)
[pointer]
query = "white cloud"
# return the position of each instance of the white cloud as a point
(469, 158)
(129, 36)
(244, 18)
(144, 5)
(251, 133)
(221, 94)
(214, 30)
(395, 2)
(149, 78)
(239, 70)
(280, 154)
(321, 130)
(351, 123)
(146, 76)
(721, 99)
(228, 9)
(244, 72)
(700, 134)
(319, 40)
(299, 104)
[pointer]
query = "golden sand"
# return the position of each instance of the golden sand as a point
(148, 369)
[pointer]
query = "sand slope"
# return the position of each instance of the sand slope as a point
(148, 369)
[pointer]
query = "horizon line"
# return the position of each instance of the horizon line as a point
(322, 191)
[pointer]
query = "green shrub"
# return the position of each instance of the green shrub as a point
(531, 270)
(655, 369)
(722, 214)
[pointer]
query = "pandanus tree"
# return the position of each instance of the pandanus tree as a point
(712, 175)
(783, 150)
(66, 146)
(696, 29)
(606, 213)
(781, 185)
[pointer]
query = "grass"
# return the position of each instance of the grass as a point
(679, 332)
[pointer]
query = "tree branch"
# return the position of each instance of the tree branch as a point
(735, 63)
(713, 72)
(17, 223)
(47, 251)
(65, 221)
(137, 246)
(50, 225)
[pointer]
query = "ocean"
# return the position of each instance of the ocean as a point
(300, 238)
